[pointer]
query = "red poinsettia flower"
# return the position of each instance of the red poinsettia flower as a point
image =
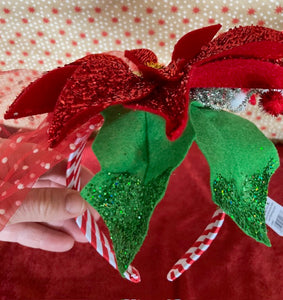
(246, 57)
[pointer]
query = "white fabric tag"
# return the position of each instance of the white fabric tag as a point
(274, 216)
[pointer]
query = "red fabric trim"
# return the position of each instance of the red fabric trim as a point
(237, 73)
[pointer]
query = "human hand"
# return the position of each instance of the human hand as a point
(45, 220)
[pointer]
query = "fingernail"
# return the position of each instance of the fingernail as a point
(74, 204)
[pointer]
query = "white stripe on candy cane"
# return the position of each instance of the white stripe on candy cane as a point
(88, 226)
(98, 240)
(79, 221)
(102, 245)
(112, 259)
(199, 246)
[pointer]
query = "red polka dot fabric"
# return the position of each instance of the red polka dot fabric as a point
(41, 35)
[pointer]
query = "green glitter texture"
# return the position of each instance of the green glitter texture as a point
(241, 161)
(246, 207)
(126, 204)
(136, 162)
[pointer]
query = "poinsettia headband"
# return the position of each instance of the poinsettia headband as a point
(148, 129)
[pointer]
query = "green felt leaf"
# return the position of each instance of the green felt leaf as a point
(136, 162)
(241, 161)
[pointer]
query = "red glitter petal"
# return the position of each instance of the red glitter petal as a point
(81, 60)
(170, 102)
(101, 80)
(191, 43)
(264, 50)
(237, 37)
(41, 95)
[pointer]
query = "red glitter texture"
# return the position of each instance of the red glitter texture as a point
(244, 57)
(100, 81)
(238, 37)
(272, 102)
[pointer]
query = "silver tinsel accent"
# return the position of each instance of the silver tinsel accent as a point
(231, 99)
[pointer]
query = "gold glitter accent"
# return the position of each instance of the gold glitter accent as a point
(154, 65)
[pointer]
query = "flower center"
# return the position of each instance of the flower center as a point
(154, 65)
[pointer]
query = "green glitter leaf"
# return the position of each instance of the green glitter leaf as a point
(136, 162)
(241, 161)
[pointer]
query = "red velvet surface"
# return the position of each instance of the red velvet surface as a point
(235, 266)
(38, 97)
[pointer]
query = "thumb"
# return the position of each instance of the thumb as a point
(49, 204)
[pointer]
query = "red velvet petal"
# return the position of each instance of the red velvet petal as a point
(102, 80)
(265, 50)
(169, 102)
(237, 37)
(191, 43)
(237, 73)
(41, 95)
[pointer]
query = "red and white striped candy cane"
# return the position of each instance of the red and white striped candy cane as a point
(86, 222)
(74, 164)
(101, 244)
(199, 246)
